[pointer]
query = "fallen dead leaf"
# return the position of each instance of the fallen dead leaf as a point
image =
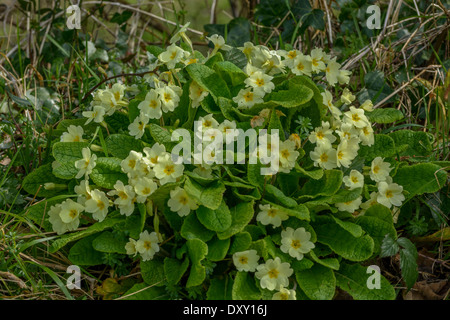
(424, 290)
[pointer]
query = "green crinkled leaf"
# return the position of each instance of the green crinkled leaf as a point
(37, 178)
(197, 250)
(328, 185)
(83, 253)
(209, 80)
(230, 72)
(216, 220)
(260, 247)
(384, 115)
(66, 170)
(174, 269)
(331, 263)
(353, 279)
(95, 228)
(209, 196)
(217, 249)
(275, 124)
(254, 175)
(220, 289)
(318, 282)
(68, 152)
(241, 215)
(354, 229)
(421, 178)
(377, 222)
(314, 174)
(241, 242)
(63, 125)
(107, 171)
(384, 146)
(295, 96)
(276, 195)
(192, 229)
(120, 145)
(152, 271)
(142, 291)
(244, 287)
(110, 243)
(300, 265)
(342, 242)
(161, 135)
(417, 142)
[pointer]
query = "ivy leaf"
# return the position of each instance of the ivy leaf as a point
(197, 250)
(244, 287)
(352, 278)
(216, 220)
(107, 171)
(318, 282)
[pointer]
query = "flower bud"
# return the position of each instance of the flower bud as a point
(296, 138)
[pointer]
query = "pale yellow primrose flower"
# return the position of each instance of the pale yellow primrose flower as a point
(130, 247)
(95, 115)
(151, 106)
(379, 169)
(296, 242)
(86, 164)
(324, 156)
(73, 134)
(83, 192)
(285, 294)
(390, 194)
(98, 205)
(322, 135)
(171, 56)
(180, 202)
(154, 153)
(137, 127)
(167, 171)
(197, 94)
(274, 274)
(147, 245)
(332, 72)
(302, 65)
(347, 97)
(354, 180)
(260, 81)
(144, 187)
(246, 261)
(248, 97)
(269, 215)
(350, 206)
(356, 117)
(126, 197)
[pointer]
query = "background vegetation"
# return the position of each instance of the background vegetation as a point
(47, 74)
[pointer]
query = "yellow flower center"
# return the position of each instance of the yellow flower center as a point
(285, 153)
(117, 96)
(76, 139)
(284, 296)
(273, 273)
(183, 200)
(355, 117)
(147, 245)
(315, 62)
(259, 82)
(132, 163)
(272, 212)
(122, 195)
(340, 155)
(296, 244)
(376, 169)
(323, 157)
(292, 54)
(154, 160)
(320, 135)
(100, 204)
(173, 55)
(248, 96)
(300, 66)
(73, 213)
(146, 190)
(354, 179)
(389, 194)
(153, 104)
(167, 97)
(243, 260)
(169, 169)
